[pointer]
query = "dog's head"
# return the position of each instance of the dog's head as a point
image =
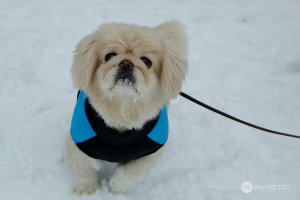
(132, 60)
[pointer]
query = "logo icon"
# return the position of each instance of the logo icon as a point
(246, 187)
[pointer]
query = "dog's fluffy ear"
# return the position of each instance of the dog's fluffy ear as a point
(85, 61)
(174, 65)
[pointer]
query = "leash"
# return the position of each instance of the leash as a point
(233, 118)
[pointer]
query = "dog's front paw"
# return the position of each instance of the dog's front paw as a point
(120, 183)
(89, 188)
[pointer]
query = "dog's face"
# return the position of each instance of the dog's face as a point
(132, 60)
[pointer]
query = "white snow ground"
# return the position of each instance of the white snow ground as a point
(244, 59)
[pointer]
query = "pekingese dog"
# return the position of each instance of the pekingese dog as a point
(126, 76)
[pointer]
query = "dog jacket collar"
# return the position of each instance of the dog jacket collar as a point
(93, 137)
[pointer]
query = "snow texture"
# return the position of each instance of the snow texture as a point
(244, 58)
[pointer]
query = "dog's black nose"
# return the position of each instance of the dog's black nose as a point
(126, 63)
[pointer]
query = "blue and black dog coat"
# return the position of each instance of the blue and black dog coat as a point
(93, 137)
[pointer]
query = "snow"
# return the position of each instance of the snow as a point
(244, 59)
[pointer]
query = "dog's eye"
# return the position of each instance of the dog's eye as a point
(147, 62)
(109, 56)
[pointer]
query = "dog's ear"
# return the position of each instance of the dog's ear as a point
(174, 65)
(85, 61)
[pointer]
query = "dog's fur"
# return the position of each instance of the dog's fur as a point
(123, 105)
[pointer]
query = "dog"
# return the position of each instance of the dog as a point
(126, 76)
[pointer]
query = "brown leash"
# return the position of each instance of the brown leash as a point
(233, 118)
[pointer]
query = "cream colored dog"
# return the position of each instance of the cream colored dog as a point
(157, 57)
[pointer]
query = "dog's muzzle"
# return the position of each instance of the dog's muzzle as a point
(125, 73)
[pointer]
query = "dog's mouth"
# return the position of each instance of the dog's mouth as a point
(123, 82)
(124, 78)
